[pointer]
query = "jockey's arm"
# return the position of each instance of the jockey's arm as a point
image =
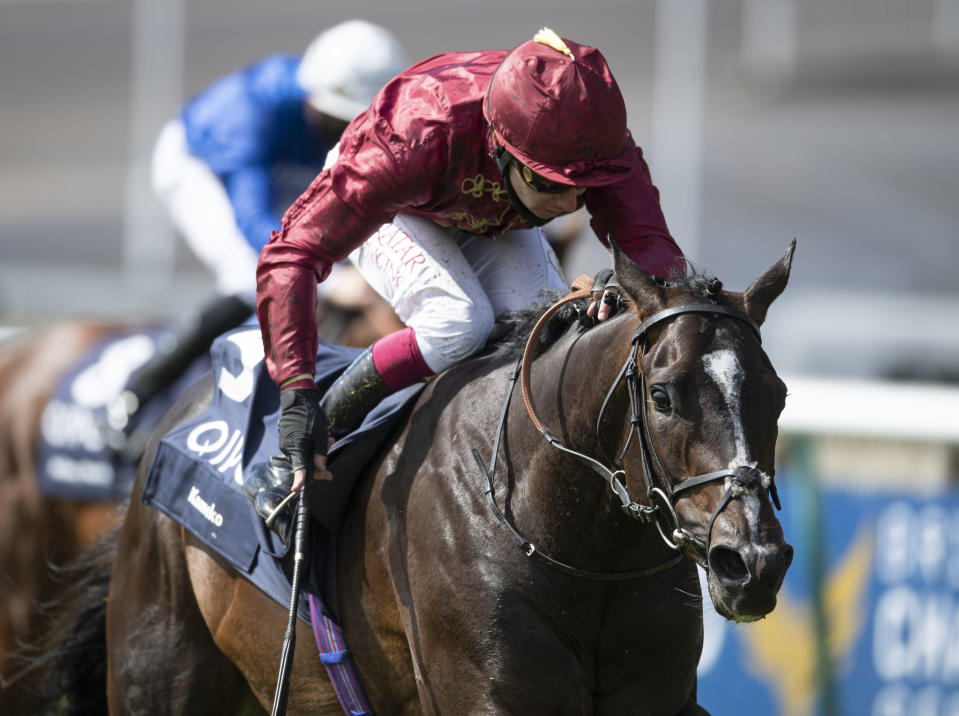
(630, 213)
(342, 208)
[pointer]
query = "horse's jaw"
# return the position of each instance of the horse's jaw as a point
(726, 605)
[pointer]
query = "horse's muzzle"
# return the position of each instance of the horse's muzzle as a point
(744, 581)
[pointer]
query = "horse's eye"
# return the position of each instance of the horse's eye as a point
(660, 399)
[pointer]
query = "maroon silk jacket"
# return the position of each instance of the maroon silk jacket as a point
(423, 148)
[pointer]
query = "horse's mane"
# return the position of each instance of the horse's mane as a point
(511, 331)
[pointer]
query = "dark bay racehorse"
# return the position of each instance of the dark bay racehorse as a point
(36, 531)
(39, 533)
(443, 613)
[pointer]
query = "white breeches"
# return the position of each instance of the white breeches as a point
(200, 209)
(450, 286)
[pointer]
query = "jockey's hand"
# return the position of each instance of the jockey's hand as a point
(304, 433)
(604, 299)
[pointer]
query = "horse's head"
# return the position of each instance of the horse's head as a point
(709, 401)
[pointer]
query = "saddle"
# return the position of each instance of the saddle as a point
(211, 472)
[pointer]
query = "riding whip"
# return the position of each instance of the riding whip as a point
(300, 542)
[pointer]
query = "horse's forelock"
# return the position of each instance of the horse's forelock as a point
(699, 284)
(703, 286)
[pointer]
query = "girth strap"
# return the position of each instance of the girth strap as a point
(336, 659)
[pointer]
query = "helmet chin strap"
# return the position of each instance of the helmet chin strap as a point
(502, 159)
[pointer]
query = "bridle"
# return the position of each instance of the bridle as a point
(660, 490)
(740, 480)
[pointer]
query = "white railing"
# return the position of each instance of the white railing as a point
(871, 409)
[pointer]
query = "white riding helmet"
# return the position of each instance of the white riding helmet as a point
(346, 65)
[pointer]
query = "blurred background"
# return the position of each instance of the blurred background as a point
(835, 122)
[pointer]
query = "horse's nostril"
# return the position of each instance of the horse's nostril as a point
(728, 565)
(787, 556)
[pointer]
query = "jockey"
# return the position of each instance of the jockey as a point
(437, 195)
(237, 155)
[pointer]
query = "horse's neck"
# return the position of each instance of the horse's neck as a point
(569, 384)
(573, 379)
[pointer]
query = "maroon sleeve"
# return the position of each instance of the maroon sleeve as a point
(379, 172)
(629, 211)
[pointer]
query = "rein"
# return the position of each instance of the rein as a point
(741, 480)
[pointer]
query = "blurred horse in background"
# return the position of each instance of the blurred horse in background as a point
(36, 531)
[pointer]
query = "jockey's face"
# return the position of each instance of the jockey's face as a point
(545, 199)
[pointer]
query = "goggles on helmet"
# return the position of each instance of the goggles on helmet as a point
(537, 183)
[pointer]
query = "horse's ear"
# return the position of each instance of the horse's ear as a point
(647, 295)
(765, 289)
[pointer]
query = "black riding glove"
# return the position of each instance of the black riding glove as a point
(600, 279)
(606, 284)
(303, 426)
(605, 278)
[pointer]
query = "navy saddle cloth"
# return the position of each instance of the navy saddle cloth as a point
(73, 461)
(197, 473)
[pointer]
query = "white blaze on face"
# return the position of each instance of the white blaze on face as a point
(724, 368)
